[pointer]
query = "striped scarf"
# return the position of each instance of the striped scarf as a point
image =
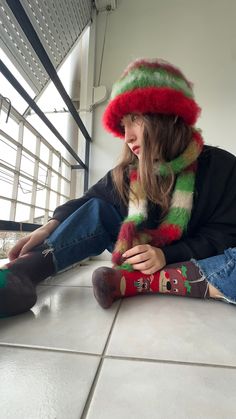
(176, 221)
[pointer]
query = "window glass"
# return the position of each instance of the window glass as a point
(66, 171)
(62, 200)
(41, 197)
(25, 187)
(6, 182)
(29, 140)
(27, 164)
(65, 188)
(55, 162)
(54, 181)
(11, 127)
(53, 201)
(43, 174)
(44, 153)
(39, 216)
(8, 152)
(22, 213)
(5, 209)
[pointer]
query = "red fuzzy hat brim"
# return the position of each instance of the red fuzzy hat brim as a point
(149, 100)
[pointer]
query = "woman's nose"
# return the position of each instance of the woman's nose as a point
(129, 135)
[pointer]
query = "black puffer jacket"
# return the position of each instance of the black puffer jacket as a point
(212, 227)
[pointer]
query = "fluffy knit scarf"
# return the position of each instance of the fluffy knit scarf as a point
(176, 221)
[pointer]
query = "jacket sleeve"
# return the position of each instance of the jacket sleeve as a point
(103, 189)
(215, 223)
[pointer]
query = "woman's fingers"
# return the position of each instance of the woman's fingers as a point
(143, 266)
(139, 253)
(16, 249)
(136, 250)
(141, 257)
(145, 258)
(36, 238)
(27, 247)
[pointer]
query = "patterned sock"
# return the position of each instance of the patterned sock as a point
(182, 279)
(18, 280)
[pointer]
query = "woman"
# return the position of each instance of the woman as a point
(175, 197)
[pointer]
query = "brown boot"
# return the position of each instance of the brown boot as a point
(19, 278)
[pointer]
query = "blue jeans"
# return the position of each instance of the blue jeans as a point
(87, 232)
(220, 271)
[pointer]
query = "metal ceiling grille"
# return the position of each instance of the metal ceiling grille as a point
(58, 24)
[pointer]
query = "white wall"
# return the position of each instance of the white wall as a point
(198, 36)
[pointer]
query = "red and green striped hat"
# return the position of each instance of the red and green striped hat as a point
(150, 86)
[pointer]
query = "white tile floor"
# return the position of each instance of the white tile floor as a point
(149, 357)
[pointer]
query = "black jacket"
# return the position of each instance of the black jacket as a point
(212, 227)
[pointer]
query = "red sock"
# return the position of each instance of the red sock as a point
(182, 279)
(132, 283)
(177, 279)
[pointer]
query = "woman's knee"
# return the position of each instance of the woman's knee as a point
(105, 214)
(102, 205)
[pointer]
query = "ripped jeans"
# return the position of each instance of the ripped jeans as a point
(220, 271)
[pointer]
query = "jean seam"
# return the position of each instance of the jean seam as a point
(74, 243)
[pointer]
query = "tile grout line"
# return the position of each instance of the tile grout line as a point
(97, 375)
(46, 349)
(117, 357)
(170, 362)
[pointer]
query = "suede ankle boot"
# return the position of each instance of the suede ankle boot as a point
(19, 278)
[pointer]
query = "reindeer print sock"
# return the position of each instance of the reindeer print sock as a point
(183, 279)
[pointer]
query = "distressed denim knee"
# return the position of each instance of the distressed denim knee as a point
(220, 272)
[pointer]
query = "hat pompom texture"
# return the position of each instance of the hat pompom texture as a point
(150, 86)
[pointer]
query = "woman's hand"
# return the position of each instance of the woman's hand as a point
(145, 258)
(35, 238)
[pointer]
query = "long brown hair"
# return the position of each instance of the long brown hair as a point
(164, 138)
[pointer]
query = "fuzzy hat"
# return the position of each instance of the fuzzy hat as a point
(150, 86)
